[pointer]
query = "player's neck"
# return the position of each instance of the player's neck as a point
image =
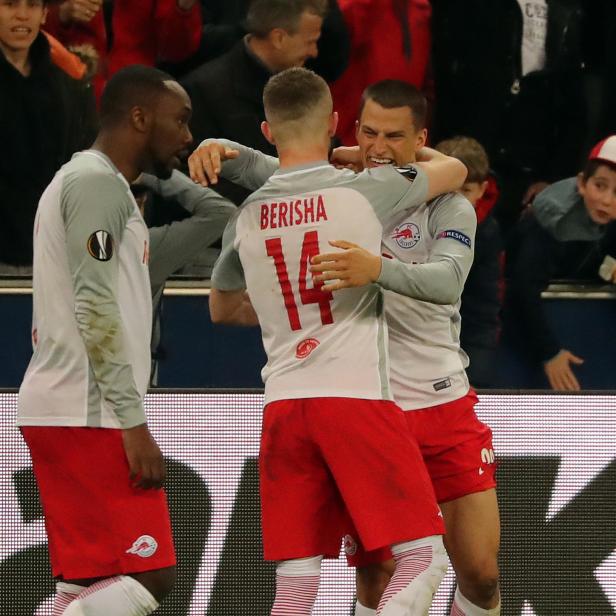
(301, 154)
(121, 154)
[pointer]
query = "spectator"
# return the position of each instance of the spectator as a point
(46, 117)
(227, 93)
(223, 26)
(566, 233)
(174, 245)
(80, 26)
(388, 41)
(517, 76)
(143, 32)
(148, 31)
(481, 299)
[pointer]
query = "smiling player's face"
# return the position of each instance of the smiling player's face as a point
(388, 136)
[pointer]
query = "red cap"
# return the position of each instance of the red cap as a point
(605, 150)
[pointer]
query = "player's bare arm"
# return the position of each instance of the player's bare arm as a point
(205, 163)
(145, 460)
(232, 308)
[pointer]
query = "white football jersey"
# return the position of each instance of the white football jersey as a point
(318, 344)
(427, 363)
(92, 308)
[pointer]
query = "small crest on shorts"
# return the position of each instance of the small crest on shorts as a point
(305, 347)
(144, 546)
(350, 545)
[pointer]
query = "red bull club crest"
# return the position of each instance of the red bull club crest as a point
(406, 235)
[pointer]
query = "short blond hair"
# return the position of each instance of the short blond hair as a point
(471, 153)
(296, 101)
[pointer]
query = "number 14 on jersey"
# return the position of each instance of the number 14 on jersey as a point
(308, 295)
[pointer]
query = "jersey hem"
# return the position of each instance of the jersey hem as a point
(294, 395)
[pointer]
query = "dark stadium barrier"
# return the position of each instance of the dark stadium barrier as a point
(195, 353)
(557, 490)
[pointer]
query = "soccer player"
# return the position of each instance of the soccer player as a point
(427, 364)
(428, 375)
(98, 469)
(335, 451)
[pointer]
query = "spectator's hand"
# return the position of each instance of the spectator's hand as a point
(146, 462)
(532, 191)
(186, 5)
(559, 372)
(204, 163)
(78, 10)
(346, 158)
(354, 267)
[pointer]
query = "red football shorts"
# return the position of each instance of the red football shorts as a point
(328, 465)
(97, 524)
(458, 452)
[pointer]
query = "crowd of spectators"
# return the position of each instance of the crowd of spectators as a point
(531, 84)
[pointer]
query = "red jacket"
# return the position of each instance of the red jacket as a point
(380, 50)
(144, 32)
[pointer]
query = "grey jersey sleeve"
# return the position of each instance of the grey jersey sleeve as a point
(452, 223)
(251, 169)
(228, 273)
(392, 190)
(173, 246)
(95, 210)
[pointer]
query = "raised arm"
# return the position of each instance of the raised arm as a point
(440, 280)
(445, 173)
(173, 246)
(233, 161)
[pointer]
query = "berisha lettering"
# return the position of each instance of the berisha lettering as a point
(100, 245)
(305, 211)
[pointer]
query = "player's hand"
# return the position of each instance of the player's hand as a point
(205, 163)
(186, 5)
(559, 372)
(346, 158)
(532, 191)
(78, 10)
(146, 462)
(353, 267)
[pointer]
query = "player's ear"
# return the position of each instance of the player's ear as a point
(267, 132)
(422, 139)
(483, 187)
(140, 118)
(333, 123)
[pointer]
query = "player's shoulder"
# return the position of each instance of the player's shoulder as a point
(387, 173)
(454, 202)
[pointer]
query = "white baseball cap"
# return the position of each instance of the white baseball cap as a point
(605, 150)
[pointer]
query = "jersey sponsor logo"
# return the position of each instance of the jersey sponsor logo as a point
(455, 235)
(350, 545)
(305, 347)
(406, 235)
(444, 384)
(100, 245)
(145, 546)
(410, 173)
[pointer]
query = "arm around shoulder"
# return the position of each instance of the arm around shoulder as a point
(445, 173)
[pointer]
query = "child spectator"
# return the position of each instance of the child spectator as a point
(481, 299)
(566, 233)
